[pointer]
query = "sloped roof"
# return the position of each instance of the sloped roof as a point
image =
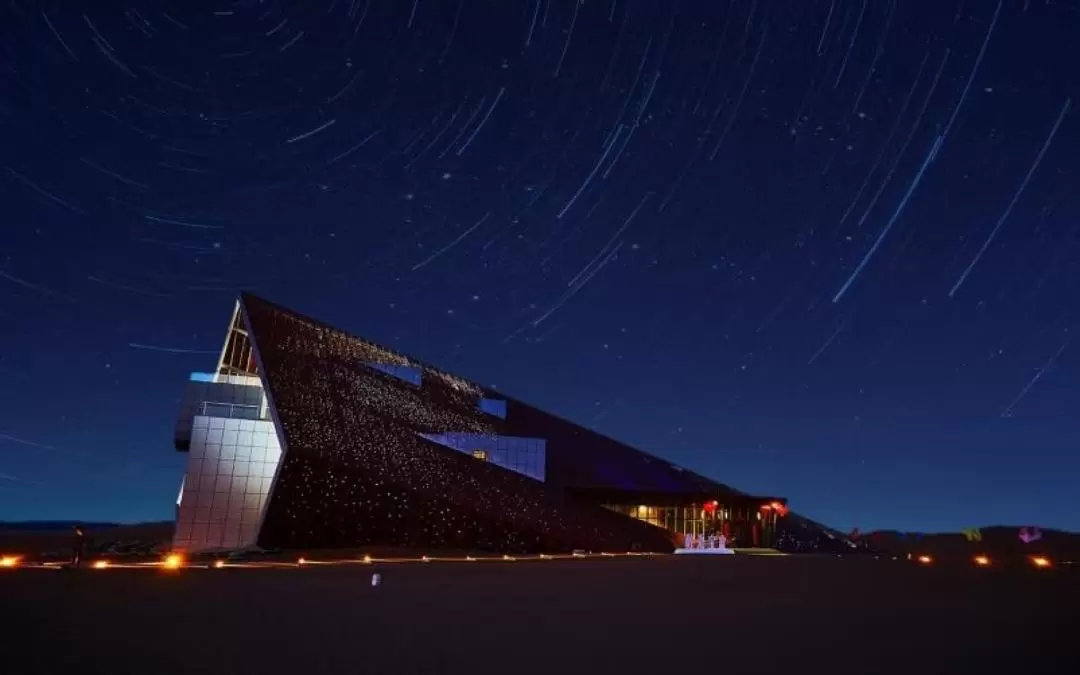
(577, 458)
(583, 459)
(355, 470)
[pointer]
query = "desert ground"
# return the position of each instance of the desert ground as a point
(640, 615)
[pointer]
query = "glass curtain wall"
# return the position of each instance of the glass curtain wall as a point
(743, 526)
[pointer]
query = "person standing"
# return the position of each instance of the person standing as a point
(77, 547)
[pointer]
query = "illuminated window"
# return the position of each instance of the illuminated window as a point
(493, 407)
(649, 514)
(521, 455)
(480, 454)
(410, 374)
(237, 358)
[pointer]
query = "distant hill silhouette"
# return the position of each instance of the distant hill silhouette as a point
(50, 525)
(32, 537)
(997, 541)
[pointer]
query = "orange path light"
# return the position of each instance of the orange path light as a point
(173, 561)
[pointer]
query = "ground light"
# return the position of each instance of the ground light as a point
(173, 562)
(1039, 561)
(982, 561)
(925, 560)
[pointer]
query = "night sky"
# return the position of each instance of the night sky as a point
(826, 249)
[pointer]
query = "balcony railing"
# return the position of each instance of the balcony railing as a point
(230, 410)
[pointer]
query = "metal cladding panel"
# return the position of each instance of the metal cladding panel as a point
(231, 466)
(202, 389)
(355, 470)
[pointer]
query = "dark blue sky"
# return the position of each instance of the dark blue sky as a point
(825, 249)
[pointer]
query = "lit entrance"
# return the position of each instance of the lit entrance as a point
(743, 524)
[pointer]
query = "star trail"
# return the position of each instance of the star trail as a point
(820, 248)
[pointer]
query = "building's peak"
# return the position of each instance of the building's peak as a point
(247, 299)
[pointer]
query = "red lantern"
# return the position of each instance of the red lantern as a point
(781, 509)
(710, 507)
